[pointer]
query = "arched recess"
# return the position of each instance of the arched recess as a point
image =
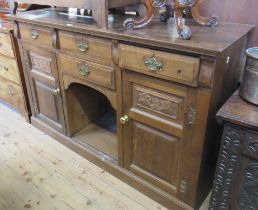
(91, 116)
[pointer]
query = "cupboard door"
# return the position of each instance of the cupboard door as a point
(44, 83)
(48, 104)
(161, 121)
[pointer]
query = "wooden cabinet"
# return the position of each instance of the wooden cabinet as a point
(12, 84)
(140, 104)
(236, 180)
(44, 84)
(159, 116)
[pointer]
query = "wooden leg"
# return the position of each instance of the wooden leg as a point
(166, 13)
(205, 21)
(131, 23)
(13, 6)
(183, 30)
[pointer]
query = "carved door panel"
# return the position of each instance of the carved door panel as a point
(159, 125)
(44, 84)
(236, 181)
(244, 192)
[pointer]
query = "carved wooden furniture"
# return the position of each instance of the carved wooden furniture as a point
(140, 104)
(12, 84)
(177, 7)
(236, 181)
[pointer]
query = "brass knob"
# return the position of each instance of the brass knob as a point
(124, 119)
(56, 91)
(153, 64)
(34, 34)
(6, 68)
(83, 47)
(84, 70)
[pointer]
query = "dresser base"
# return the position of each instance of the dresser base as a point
(126, 176)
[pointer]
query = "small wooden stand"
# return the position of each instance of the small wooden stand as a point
(173, 6)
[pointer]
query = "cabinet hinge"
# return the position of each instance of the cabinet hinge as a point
(35, 108)
(191, 116)
(183, 186)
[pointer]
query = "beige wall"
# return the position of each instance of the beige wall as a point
(240, 11)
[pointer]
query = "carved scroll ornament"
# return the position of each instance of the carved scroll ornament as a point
(173, 6)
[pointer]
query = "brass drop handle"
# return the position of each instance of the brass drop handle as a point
(56, 91)
(84, 70)
(34, 34)
(83, 47)
(153, 64)
(124, 119)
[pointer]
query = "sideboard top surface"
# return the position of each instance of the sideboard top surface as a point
(205, 40)
(239, 112)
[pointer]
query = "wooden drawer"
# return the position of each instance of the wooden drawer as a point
(183, 69)
(11, 94)
(95, 49)
(6, 47)
(89, 71)
(36, 35)
(9, 69)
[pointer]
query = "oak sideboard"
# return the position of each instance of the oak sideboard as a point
(141, 104)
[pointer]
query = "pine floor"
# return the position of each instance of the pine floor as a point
(37, 172)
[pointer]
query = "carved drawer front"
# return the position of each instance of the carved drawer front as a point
(36, 35)
(94, 49)
(9, 69)
(169, 66)
(89, 71)
(6, 47)
(11, 93)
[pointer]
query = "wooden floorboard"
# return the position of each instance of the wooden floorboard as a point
(37, 172)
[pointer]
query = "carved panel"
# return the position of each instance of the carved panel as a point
(41, 63)
(248, 196)
(251, 145)
(227, 165)
(160, 103)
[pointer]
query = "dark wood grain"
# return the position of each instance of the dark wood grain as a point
(236, 180)
(239, 112)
